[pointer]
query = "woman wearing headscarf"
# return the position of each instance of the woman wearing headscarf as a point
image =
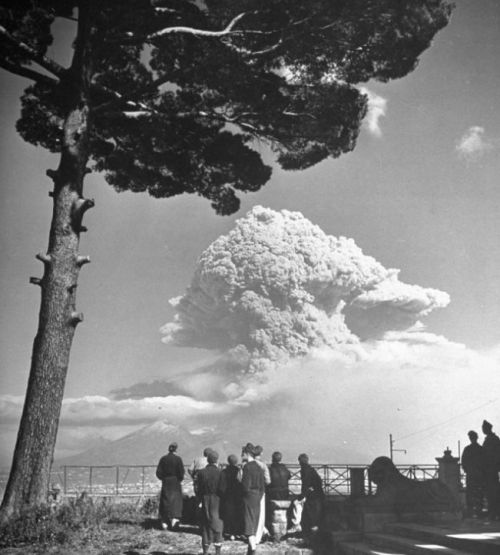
(170, 471)
(253, 486)
(208, 485)
(230, 487)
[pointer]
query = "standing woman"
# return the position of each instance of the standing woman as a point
(170, 471)
(253, 485)
(209, 491)
(261, 528)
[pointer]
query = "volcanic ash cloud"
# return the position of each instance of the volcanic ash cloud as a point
(277, 287)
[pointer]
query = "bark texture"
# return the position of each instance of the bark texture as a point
(33, 456)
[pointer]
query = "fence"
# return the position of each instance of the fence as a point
(141, 480)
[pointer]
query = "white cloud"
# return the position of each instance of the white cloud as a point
(377, 107)
(473, 144)
(93, 410)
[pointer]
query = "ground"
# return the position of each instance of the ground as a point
(141, 538)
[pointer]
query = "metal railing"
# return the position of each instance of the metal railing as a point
(140, 480)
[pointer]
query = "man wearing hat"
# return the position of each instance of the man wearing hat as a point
(473, 465)
(209, 491)
(170, 471)
(491, 457)
(312, 493)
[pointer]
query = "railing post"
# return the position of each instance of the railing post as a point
(143, 480)
(356, 482)
(90, 478)
(65, 479)
(117, 480)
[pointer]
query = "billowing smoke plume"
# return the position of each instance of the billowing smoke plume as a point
(277, 287)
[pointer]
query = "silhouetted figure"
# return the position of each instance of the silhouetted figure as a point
(280, 476)
(277, 489)
(208, 486)
(231, 502)
(198, 464)
(491, 457)
(253, 485)
(170, 471)
(473, 465)
(312, 491)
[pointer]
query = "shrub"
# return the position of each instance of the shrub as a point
(79, 519)
(151, 506)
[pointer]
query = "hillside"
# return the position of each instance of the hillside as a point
(148, 444)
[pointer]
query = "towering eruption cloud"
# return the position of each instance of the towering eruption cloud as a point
(321, 348)
(277, 286)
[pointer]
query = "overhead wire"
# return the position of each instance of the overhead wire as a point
(448, 420)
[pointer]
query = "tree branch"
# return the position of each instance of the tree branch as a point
(200, 32)
(43, 61)
(28, 73)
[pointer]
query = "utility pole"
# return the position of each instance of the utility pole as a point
(391, 447)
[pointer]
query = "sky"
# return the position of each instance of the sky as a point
(419, 193)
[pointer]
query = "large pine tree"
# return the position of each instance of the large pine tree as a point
(167, 96)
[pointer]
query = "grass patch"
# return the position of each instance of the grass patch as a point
(75, 522)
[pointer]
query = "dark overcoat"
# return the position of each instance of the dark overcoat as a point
(280, 476)
(208, 480)
(170, 471)
(312, 490)
(491, 460)
(231, 500)
(253, 485)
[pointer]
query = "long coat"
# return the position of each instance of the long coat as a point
(253, 485)
(170, 471)
(491, 459)
(312, 490)
(231, 500)
(208, 480)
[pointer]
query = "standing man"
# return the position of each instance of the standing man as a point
(280, 476)
(491, 457)
(170, 471)
(312, 491)
(208, 486)
(472, 463)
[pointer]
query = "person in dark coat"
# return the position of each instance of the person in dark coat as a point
(170, 471)
(279, 476)
(473, 465)
(253, 485)
(231, 503)
(312, 492)
(208, 486)
(491, 458)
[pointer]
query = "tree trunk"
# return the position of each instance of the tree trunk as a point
(30, 474)
(33, 455)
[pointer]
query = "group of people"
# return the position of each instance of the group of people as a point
(233, 500)
(481, 464)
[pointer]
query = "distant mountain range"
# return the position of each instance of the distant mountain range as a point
(148, 444)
